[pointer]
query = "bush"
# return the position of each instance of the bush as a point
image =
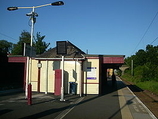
(149, 72)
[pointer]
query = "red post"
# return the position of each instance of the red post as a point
(29, 96)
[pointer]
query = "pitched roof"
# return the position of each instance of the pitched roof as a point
(72, 52)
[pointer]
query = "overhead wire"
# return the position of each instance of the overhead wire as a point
(145, 32)
(8, 36)
(154, 40)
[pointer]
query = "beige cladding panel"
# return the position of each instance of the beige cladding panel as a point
(34, 71)
(34, 74)
(72, 73)
(92, 89)
(43, 76)
(47, 74)
(72, 68)
(34, 86)
(50, 77)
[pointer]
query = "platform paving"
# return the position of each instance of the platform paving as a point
(130, 105)
(118, 102)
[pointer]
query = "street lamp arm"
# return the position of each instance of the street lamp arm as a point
(15, 8)
(42, 5)
(58, 3)
(33, 6)
(25, 7)
(53, 4)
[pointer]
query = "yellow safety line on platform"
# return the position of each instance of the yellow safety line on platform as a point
(125, 112)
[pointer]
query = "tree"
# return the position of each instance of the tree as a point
(140, 58)
(40, 45)
(25, 37)
(5, 46)
(145, 63)
(129, 59)
(152, 54)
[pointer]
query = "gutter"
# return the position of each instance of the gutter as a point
(60, 58)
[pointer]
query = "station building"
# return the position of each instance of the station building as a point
(85, 72)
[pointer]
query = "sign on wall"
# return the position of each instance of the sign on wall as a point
(91, 73)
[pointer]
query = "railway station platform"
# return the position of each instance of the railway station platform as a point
(118, 102)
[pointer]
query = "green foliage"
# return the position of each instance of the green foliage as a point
(140, 58)
(119, 72)
(129, 59)
(145, 85)
(128, 77)
(145, 64)
(5, 46)
(40, 45)
(152, 54)
(149, 85)
(25, 37)
(149, 71)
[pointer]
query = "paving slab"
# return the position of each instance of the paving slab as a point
(43, 106)
(130, 104)
(118, 102)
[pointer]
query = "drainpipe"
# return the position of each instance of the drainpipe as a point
(46, 90)
(39, 65)
(80, 79)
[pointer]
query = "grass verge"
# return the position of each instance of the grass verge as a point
(146, 85)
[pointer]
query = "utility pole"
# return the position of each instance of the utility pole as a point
(132, 71)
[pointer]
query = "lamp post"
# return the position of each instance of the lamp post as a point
(33, 16)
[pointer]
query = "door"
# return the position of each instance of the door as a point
(58, 76)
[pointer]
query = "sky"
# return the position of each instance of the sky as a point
(105, 27)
